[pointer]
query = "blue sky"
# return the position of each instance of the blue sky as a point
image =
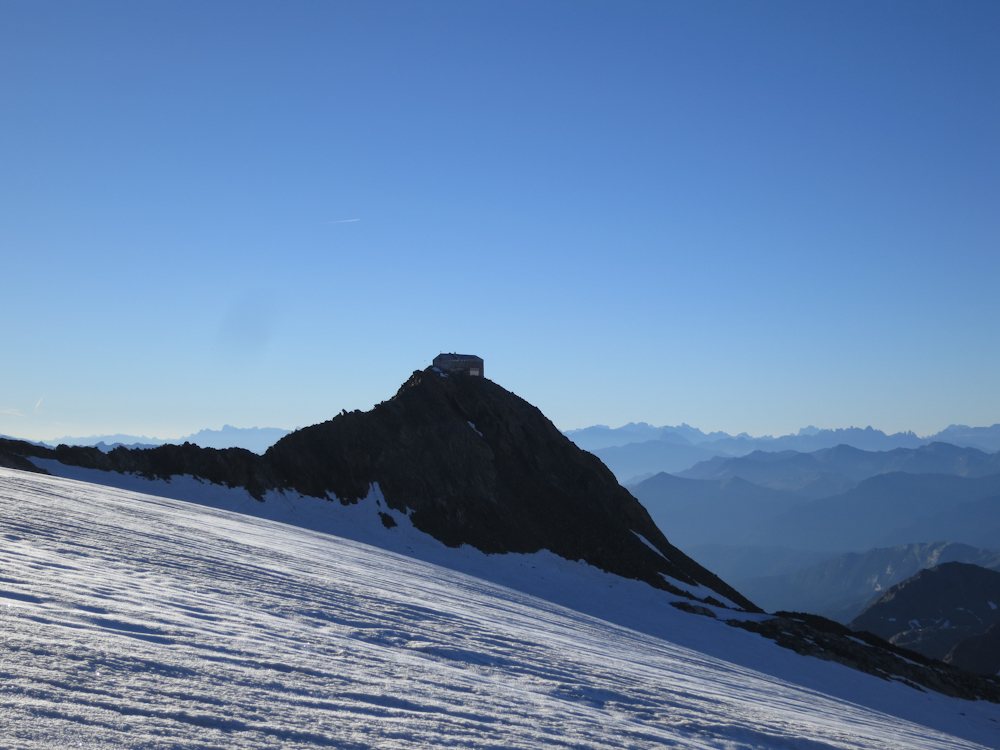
(747, 216)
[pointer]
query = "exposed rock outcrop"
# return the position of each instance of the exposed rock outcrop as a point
(978, 653)
(478, 465)
(816, 636)
(936, 609)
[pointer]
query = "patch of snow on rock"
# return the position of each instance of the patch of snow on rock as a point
(649, 544)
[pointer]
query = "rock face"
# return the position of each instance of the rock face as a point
(818, 637)
(979, 653)
(13, 458)
(232, 467)
(478, 465)
(472, 464)
(936, 609)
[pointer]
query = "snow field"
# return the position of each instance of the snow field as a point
(134, 621)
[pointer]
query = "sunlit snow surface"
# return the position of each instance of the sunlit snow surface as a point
(128, 620)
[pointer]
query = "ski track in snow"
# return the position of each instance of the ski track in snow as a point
(135, 621)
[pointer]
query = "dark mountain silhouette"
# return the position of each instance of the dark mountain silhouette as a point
(105, 447)
(978, 653)
(478, 465)
(841, 587)
(12, 455)
(936, 609)
(470, 462)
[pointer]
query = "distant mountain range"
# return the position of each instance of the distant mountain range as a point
(855, 464)
(256, 439)
(601, 436)
(638, 450)
(834, 500)
(826, 531)
(633, 452)
(830, 470)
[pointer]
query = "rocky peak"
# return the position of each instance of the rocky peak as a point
(470, 462)
(475, 464)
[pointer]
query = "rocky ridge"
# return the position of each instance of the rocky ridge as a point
(935, 611)
(470, 462)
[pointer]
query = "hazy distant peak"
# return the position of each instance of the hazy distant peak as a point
(113, 439)
(256, 439)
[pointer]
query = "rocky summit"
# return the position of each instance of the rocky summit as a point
(470, 462)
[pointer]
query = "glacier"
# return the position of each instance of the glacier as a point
(134, 620)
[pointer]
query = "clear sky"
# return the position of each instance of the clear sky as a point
(742, 215)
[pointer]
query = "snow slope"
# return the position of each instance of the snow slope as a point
(129, 620)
